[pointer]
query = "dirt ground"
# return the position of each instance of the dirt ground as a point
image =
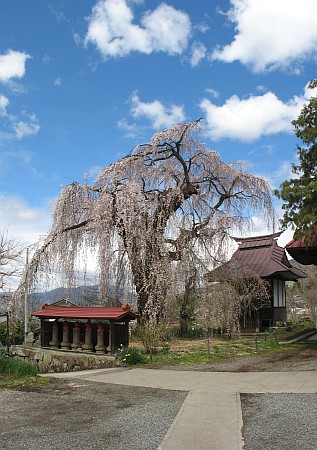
(302, 358)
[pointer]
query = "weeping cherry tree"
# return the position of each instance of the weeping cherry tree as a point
(148, 213)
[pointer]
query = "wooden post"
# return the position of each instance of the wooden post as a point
(276, 340)
(208, 349)
(8, 334)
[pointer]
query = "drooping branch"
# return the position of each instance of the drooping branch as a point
(168, 200)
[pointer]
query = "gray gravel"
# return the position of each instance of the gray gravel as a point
(75, 413)
(280, 421)
(87, 416)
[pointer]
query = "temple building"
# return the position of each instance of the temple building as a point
(261, 256)
(84, 329)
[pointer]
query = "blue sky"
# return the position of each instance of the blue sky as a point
(83, 82)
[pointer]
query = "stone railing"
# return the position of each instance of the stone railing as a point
(50, 361)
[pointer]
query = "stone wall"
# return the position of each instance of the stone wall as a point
(50, 361)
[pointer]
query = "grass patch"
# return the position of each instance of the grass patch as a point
(19, 375)
(195, 351)
(16, 368)
(218, 350)
(27, 383)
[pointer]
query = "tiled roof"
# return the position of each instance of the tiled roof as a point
(260, 256)
(301, 252)
(78, 312)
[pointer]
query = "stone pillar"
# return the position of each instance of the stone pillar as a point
(87, 347)
(76, 337)
(65, 344)
(110, 348)
(100, 347)
(54, 343)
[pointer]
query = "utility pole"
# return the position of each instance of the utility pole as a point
(26, 296)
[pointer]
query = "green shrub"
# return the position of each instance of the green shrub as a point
(2, 349)
(16, 368)
(131, 355)
(3, 333)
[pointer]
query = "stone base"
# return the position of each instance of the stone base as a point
(50, 361)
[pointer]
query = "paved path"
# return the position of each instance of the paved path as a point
(210, 417)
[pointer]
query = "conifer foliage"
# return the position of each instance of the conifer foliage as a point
(300, 192)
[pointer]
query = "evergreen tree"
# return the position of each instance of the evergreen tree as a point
(300, 192)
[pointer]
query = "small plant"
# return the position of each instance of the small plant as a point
(165, 348)
(131, 355)
(152, 335)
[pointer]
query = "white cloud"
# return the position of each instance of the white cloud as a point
(130, 130)
(58, 14)
(15, 158)
(271, 34)
(22, 221)
(160, 116)
(112, 30)
(285, 237)
(198, 52)
(58, 81)
(28, 127)
(212, 92)
(202, 27)
(12, 65)
(3, 105)
(249, 119)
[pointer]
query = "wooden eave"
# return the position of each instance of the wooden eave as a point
(302, 252)
(78, 312)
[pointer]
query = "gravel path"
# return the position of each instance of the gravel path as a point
(75, 414)
(279, 421)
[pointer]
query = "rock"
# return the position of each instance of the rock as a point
(47, 358)
(38, 356)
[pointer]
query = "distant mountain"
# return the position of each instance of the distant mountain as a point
(81, 296)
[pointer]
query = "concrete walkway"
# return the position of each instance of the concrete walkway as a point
(210, 417)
